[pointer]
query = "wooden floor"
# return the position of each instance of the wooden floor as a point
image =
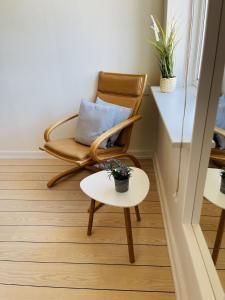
(45, 252)
(209, 222)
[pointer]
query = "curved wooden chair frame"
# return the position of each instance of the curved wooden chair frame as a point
(94, 156)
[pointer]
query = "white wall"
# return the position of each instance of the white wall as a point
(51, 52)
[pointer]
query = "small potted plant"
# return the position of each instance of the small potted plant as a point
(165, 44)
(120, 172)
(222, 184)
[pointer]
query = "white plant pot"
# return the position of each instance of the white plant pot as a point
(168, 85)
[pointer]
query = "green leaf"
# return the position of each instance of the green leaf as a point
(165, 47)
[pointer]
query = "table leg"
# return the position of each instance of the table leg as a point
(91, 216)
(129, 234)
(97, 207)
(137, 213)
(219, 237)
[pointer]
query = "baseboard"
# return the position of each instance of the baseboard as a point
(172, 248)
(24, 155)
(142, 154)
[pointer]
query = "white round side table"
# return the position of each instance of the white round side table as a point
(212, 194)
(100, 188)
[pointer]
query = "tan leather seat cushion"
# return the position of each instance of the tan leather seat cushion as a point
(69, 148)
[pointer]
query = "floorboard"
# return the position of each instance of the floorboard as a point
(77, 219)
(89, 276)
(209, 222)
(83, 253)
(26, 293)
(46, 254)
(70, 206)
(102, 235)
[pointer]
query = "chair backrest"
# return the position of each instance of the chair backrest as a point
(125, 90)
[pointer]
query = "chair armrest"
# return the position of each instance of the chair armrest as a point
(108, 133)
(220, 131)
(53, 126)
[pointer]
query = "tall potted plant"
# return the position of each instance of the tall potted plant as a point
(165, 45)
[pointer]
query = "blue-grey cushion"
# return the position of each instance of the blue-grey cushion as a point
(220, 121)
(94, 119)
(121, 114)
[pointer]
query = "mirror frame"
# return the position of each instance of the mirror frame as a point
(207, 100)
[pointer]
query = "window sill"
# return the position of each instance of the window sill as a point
(171, 109)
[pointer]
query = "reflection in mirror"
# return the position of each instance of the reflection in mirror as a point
(213, 209)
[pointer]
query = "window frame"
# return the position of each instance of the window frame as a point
(198, 35)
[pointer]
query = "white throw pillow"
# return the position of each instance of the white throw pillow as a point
(94, 119)
(121, 113)
(220, 121)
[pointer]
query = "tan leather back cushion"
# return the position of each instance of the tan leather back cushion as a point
(121, 89)
(121, 84)
(119, 99)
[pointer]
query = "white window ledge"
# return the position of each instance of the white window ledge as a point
(171, 109)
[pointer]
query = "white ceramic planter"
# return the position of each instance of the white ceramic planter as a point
(168, 85)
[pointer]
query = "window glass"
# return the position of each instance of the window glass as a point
(201, 29)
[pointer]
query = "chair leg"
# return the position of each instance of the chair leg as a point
(138, 216)
(129, 234)
(92, 169)
(133, 159)
(91, 216)
(53, 181)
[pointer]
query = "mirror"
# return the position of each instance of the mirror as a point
(212, 220)
(208, 151)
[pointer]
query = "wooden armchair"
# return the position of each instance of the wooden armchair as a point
(217, 156)
(121, 89)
